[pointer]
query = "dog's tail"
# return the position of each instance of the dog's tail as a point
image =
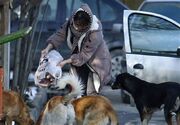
(74, 84)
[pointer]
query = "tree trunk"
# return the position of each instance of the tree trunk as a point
(23, 51)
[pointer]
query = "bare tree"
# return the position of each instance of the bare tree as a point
(23, 48)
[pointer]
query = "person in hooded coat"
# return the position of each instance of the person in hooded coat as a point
(90, 58)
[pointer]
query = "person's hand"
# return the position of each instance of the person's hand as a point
(61, 64)
(45, 51)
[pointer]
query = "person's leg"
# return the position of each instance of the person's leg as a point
(93, 84)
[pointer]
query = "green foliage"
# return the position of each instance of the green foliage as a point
(14, 36)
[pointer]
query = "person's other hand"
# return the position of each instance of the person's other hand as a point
(61, 64)
(44, 52)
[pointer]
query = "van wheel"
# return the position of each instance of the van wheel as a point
(117, 62)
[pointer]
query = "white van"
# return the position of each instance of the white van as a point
(152, 46)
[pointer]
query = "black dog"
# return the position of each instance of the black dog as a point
(149, 97)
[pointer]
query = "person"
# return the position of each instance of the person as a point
(90, 58)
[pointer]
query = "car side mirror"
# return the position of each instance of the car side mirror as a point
(178, 51)
(117, 27)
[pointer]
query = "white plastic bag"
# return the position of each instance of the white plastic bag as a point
(48, 66)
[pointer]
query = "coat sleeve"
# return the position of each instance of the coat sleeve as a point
(88, 49)
(57, 38)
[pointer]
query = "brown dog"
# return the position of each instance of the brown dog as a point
(15, 109)
(57, 112)
(87, 110)
(94, 110)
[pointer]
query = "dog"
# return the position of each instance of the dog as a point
(59, 110)
(149, 97)
(71, 108)
(15, 109)
(94, 110)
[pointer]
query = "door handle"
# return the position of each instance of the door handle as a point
(138, 66)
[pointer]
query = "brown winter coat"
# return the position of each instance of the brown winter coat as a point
(93, 50)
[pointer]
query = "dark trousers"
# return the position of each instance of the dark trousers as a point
(83, 73)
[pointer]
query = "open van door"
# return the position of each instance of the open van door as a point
(152, 45)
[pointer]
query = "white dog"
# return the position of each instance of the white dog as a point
(69, 110)
(59, 110)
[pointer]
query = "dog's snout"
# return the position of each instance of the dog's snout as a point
(111, 83)
(113, 86)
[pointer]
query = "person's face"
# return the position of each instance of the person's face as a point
(79, 27)
(81, 21)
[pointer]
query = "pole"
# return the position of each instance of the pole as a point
(1, 91)
(5, 49)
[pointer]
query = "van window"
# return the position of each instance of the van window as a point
(49, 8)
(150, 34)
(107, 13)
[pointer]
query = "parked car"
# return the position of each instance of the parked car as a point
(152, 46)
(53, 13)
(148, 66)
(164, 42)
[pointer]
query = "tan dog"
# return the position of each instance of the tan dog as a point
(56, 112)
(94, 110)
(66, 110)
(15, 109)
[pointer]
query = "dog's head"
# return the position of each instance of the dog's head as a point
(119, 81)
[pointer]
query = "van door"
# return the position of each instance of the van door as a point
(152, 44)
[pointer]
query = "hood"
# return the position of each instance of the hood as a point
(85, 8)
